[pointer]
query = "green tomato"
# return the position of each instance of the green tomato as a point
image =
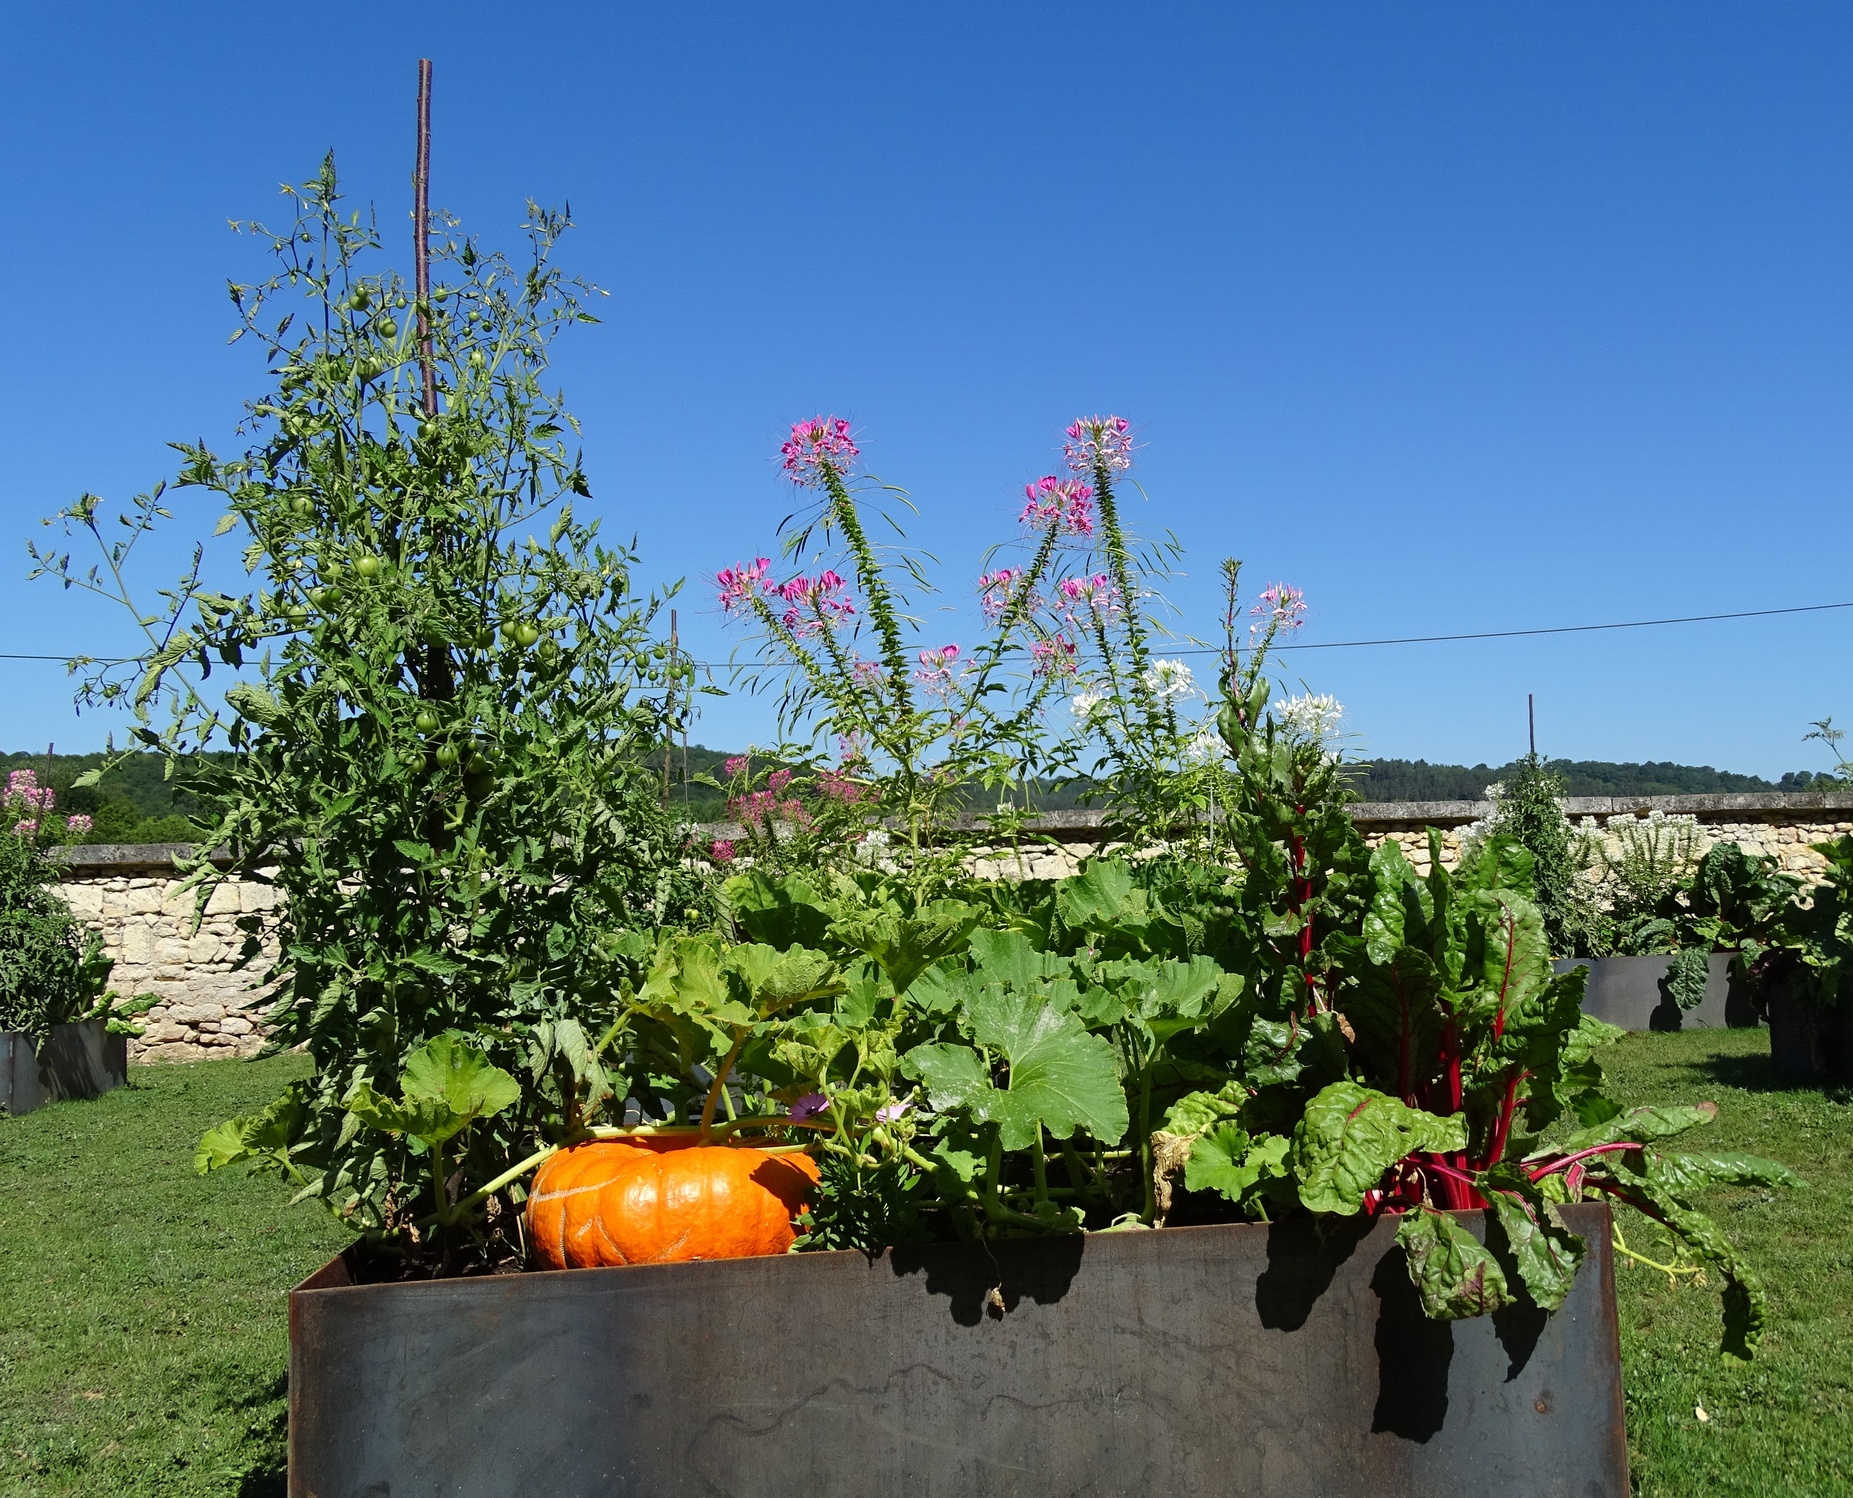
(477, 361)
(526, 634)
(447, 756)
(320, 597)
(368, 566)
(659, 653)
(426, 722)
(358, 301)
(388, 328)
(297, 616)
(399, 301)
(427, 430)
(442, 294)
(302, 506)
(476, 765)
(485, 639)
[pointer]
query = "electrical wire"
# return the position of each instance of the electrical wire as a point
(1487, 634)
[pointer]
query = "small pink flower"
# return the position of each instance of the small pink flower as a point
(78, 823)
(809, 1106)
(1099, 442)
(870, 675)
(736, 766)
(1082, 598)
(1054, 656)
(1281, 606)
(741, 585)
(892, 1112)
(936, 669)
(821, 443)
(816, 604)
(997, 591)
(778, 780)
(841, 789)
(26, 828)
(1057, 501)
(721, 850)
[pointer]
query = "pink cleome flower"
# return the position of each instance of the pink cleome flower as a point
(736, 766)
(821, 443)
(23, 786)
(26, 828)
(741, 585)
(1084, 597)
(78, 823)
(816, 604)
(1055, 501)
(998, 590)
(721, 850)
(936, 669)
(1053, 657)
(1099, 442)
(1280, 604)
(778, 780)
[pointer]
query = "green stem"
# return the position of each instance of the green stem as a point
(1145, 1142)
(1041, 1167)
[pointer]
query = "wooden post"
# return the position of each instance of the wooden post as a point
(1531, 721)
(421, 238)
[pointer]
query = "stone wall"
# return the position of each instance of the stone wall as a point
(207, 1009)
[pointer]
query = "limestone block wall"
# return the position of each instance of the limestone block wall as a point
(206, 1008)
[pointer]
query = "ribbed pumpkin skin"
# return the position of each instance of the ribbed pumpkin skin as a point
(664, 1201)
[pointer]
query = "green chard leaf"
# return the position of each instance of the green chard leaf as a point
(1546, 1252)
(1349, 1136)
(1451, 1269)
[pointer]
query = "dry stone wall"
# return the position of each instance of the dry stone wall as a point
(207, 1008)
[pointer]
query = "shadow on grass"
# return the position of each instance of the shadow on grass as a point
(1759, 1074)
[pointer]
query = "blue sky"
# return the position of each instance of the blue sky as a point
(1459, 317)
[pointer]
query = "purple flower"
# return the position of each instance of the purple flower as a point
(736, 766)
(892, 1112)
(936, 669)
(1054, 656)
(816, 604)
(808, 1106)
(1056, 501)
(79, 823)
(1099, 442)
(721, 850)
(997, 590)
(741, 585)
(1282, 605)
(821, 443)
(1083, 597)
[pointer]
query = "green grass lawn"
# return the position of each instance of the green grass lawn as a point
(143, 1325)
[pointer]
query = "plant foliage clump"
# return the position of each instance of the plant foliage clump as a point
(52, 967)
(442, 687)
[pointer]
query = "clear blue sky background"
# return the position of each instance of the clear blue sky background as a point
(1460, 317)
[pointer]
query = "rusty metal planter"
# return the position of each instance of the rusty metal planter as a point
(77, 1060)
(1205, 1360)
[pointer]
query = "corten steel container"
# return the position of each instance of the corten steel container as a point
(1632, 992)
(1809, 1041)
(80, 1060)
(1205, 1360)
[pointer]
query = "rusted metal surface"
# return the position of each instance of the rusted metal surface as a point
(1208, 1360)
(76, 1061)
(1632, 992)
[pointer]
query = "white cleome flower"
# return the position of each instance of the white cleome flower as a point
(1205, 747)
(1311, 718)
(1170, 680)
(1082, 704)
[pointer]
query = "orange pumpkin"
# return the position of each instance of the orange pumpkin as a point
(663, 1201)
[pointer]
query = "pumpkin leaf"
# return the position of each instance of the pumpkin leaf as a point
(1349, 1136)
(447, 1085)
(1228, 1160)
(907, 945)
(259, 1139)
(1061, 1077)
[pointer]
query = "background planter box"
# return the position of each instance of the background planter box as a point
(1207, 1360)
(81, 1060)
(1631, 992)
(1808, 1041)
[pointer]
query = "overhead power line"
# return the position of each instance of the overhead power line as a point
(1485, 634)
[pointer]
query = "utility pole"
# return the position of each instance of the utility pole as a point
(1531, 721)
(669, 738)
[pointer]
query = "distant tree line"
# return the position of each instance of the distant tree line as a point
(1418, 780)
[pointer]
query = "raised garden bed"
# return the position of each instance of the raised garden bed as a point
(1228, 1359)
(1632, 992)
(1809, 1041)
(77, 1060)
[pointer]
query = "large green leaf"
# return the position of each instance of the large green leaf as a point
(1097, 898)
(1684, 1174)
(906, 945)
(448, 1084)
(1349, 1136)
(1227, 1160)
(1061, 1077)
(1547, 1253)
(1452, 1271)
(1643, 1125)
(257, 1139)
(1007, 957)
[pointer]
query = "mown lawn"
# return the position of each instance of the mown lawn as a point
(143, 1326)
